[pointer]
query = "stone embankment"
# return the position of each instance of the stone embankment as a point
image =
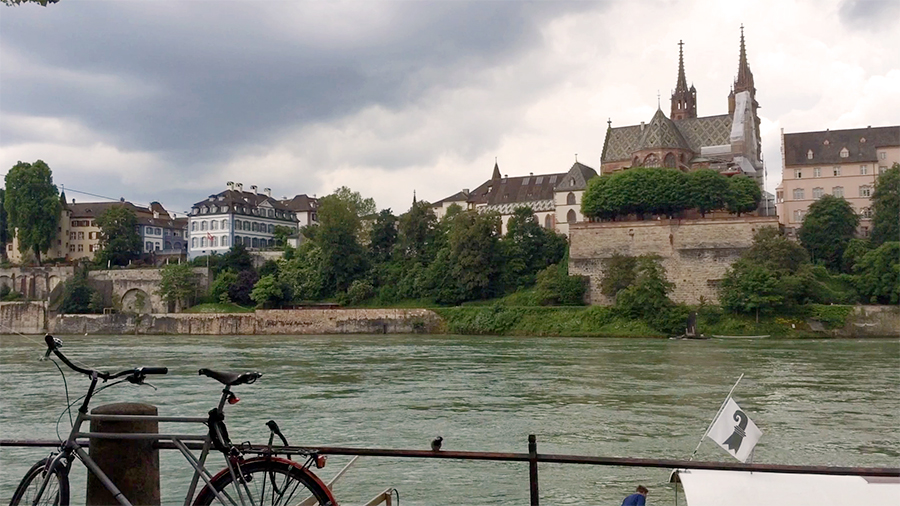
(262, 322)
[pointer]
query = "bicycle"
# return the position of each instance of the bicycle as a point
(266, 478)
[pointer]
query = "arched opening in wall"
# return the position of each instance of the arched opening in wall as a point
(651, 160)
(636, 162)
(571, 217)
(570, 199)
(669, 161)
(548, 221)
(136, 301)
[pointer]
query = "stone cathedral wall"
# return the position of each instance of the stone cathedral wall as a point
(696, 253)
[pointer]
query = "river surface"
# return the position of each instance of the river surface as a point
(823, 402)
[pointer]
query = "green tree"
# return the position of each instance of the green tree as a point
(77, 294)
(360, 205)
(744, 195)
(236, 259)
(239, 291)
(32, 206)
(119, 239)
(707, 190)
(178, 285)
(750, 288)
(4, 230)
(556, 287)
(267, 291)
(647, 298)
(473, 255)
(886, 207)
(343, 258)
(383, 236)
(827, 229)
(618, 274)
(528, 248)
(878, 274)
(282, 233)
(417, 229)
(303, 273)
(595, 203)
(775, 252)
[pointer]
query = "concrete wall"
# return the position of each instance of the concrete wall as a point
(135, 290)
(872, 321)
(695, 253)
(23, 317)
(35, 282)
(288, 321)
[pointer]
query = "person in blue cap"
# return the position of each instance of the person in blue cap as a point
(639, 498)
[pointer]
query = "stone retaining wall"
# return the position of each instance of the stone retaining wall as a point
(23, 317)
(286, 321)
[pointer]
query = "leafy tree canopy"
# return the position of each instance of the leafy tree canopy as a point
(32, 206)
(359, 205)
(750, 288)
(416, 238)
(178, 285)
(886, 206)
(878, 274)
(383, 236)
(708, 190)
(827, 228)
(343, 258)
(119, 239)
(744, 195)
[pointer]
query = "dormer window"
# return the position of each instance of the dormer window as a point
(826, 142)
(845, 153)
(862, 140)
(809, 155)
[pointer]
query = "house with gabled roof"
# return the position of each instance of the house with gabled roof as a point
(554, 198)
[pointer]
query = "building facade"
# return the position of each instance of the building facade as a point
(235, 216)
(843, 163)
(729, 142)
(554, 198)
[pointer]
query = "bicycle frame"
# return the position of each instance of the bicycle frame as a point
(70, 446)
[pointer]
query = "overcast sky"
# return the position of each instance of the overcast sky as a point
(165, 100)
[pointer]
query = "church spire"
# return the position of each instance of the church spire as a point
(744, 79)
(684, 99)
(496, 174)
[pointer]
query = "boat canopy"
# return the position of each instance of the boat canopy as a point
(744, 488)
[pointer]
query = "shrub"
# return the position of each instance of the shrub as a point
(360, 291)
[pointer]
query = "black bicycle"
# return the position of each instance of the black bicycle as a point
(265, 478)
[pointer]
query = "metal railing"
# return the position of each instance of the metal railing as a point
(532, 457)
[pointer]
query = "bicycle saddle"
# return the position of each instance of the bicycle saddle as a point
(231, 378)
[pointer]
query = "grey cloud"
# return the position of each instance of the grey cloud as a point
(216, 76)
(869, 14)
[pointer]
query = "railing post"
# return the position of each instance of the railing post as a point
(132, 465)
(532, 469)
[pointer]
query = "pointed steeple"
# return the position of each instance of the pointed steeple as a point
(684, 99)
(496, 174)
(414, 198)
(744, 81)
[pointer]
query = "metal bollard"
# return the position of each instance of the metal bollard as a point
(131, 464)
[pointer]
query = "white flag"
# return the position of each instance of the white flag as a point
(734, 431)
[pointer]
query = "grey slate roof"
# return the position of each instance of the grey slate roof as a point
(576, 178)
(241, 198)
(826, 146)
(661, 132)
(301, 203)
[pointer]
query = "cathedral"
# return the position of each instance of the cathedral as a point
(729, 143)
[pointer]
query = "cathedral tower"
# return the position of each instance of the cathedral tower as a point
(744, 79)
(684, 99)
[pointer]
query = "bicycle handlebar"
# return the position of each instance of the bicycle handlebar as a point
(53, 345)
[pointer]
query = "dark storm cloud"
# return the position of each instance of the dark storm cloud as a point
(194, 81)
(869, 14)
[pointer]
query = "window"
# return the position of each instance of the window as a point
(254, 243)
(156, 247)
(247, 226)
(214, 225)
(254, 227)
(80, 235)
(225, 240)
(237, 239)
(194, 242)
(837, 171)
(271, 229)
(798, 215)
(193, 226)
(817, 193)
(552, 179)
(548, 221)
(882, 155)
(838, 191)
(798, 174)
(215, 242)
(168, 245)
(798, 194)
(271, 213)
(203, 242)
(224, 224)
(72, 236)
(570, 216)
(882, 169)
(865, 191)
(71, 248)
(817, 172)
(539, 180)
(81, 247)
(570, 199)
(866, 212)
(149, 246)
(863, 170)
(809, 155)
(203, 225)
(845, 152)
(91, 248)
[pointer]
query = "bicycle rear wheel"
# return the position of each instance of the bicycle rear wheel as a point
(268, 481)
(56, 493)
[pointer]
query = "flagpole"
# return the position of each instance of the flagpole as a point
(717, 416)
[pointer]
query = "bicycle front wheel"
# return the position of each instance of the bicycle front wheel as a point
(267, 481)
(56, 493)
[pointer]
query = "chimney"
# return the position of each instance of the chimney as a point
(642, 127)
(253, 188)
(122, 199)
(230, 185)
(466, 191)
(73, 201)
(530, 174)
(267, 191)
(239, 186)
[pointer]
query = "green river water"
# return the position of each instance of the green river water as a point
(822, 402)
